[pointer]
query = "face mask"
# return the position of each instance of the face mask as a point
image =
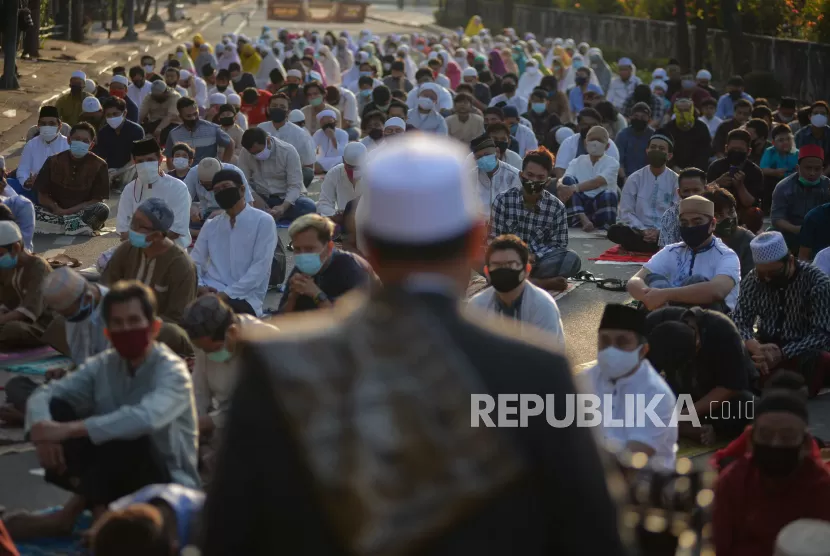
(726, 228)
(8, 261)
(327, 126)
(79, 149)
(504, 280)
(581, 80)
(138, 240)
(236, 78)
(532, 187)
(615, 363)
(263, 154)
(48, 132)
(227, 198)
(219, 356)
(818, 120)
(686, 85)
(638, 125)
(148, 172)
(76, 89)
(131, 344)
(85, 309)
(365, 74)
(148, 69)
(179, 55)
(502, 146)
(808, 183)
(316, 101)
(366, 93)
(227, 122)
(180, 163)
(308, 263)
(487, 163)
(221, 88)
(116, 122)
(735, 95)
(776, 461)
(595, 148)
(735, 158)
(120, 93)
(656, 159)
(509, 88)
(426, 103)
(376, 134)
(694, 236)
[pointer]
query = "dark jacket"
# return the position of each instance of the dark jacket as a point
(691, 147)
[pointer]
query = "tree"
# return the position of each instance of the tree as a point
(701, 34)
(732, 25)
(684, 54)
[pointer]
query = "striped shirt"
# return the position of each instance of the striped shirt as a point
(205, 139)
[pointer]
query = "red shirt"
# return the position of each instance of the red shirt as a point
(7, 547)
(750, 510)
(738, 448)
(256, 113)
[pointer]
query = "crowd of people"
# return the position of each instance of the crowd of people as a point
(439, 157)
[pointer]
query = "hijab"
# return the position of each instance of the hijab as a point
(185, 61)
(529, 80)
(474, 26)
(343, 54)
(250, 59)
(269, 63)
(509, 63)
(205, 58)
(229, 57)
(330, 66)
(497, 63)
(540, 63)
(600, 67)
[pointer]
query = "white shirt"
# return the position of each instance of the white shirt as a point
(569, 147)
(295, 136)
(242, 120)
(619, 90)
(444, 98)
(236, 260)
(35, 153)
(506, 177)
(369, 143)
(207, 202)
(348, 107)
(822, 260)
(198, 92)
(526, 139)
(328, 155)
(583, 170)
(337, 190)
(677, 263)
(511, 158)
(86, 338)
(137, 95)
(645, 198)
(433, 122)
(281, 174)
(712, 124)
(171, 190)
(520, 103)
(646, 382)
(182, 91)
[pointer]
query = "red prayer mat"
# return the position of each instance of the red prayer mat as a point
(617, 254)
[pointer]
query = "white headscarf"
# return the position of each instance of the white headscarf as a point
(229, 57)
(409, 66)
(266, 66)
(330, 66)
(529, 80)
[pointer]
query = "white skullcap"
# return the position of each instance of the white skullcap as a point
(9, 232)
(768, 247)
(469, 72)
(354, 153)
(433, 55)
(90, 104)
(659, 73)
(297, 116)
(659, 84)
(208, 168)
(62, 287)
(90, 86)
(429, 87)
(78, 74)
(217, 98)
(625, 62)
(395, 122)
(294, 73)
(120, 79)
(314, 76)
(363, 56)
(234, 99)
(184, 75)
(704, 74)
(326, 113)
(804, 537)
(563, 133)
(418, 190)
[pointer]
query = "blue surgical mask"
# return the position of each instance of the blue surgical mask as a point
(84, 310)
(138, 240)
(539, 107)
(79, 149)
(365, 93)
(219, 356)
(8, 261)
(308, 263)
(487, 163)
(514, 128)
(365, 74)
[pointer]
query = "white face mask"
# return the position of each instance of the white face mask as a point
(263, 154)
(595, 148)
(148, 69)
(115, 122)
(426, 103)
(48, 132)
(148, 172)
(818, 120)
(180, 163)
(615, 363)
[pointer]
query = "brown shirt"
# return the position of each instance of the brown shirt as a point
(21, 290)
(70, 181)
(311, 123)
(171, 276)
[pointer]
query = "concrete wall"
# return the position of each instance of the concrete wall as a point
(802, 67)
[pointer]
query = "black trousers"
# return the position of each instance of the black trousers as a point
(240, 306)
(630, 240)
(106, 472)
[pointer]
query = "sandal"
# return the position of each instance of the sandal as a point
(612, 284)
(584, 276)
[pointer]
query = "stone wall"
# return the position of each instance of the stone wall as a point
(802, 67)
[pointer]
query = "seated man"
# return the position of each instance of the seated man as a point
(691, 181)
(814, 236)
(330, 142)
(153, 259)
(699, 271)
(574, 145)
(72, 187)
(539, 219)
(255, 105)
(779, 161)
(321, 273)
(622, 371)
(23, 317)
(93, 113)
(800, 193)
(158, 114)
(740, 176)
(199, 182)
(372, 128)
(274, 171)
(648, 194)
(523, 134)
(123, 420)
(790, 301)
(48, 142)
(315, 93)
(727, 229)
(182, 155)
(69, 104)
(342, 183)
(234, 250)
(589, 188)
(492, 176)
(19, 210)
(115, 142)
(425, 117)
(507, 267)
(151, 182)
(701, 353)
(500, 134)
(278, 108)
(464, 125)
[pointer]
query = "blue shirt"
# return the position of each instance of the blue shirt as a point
(24, 216)
(205, 139)
(632, 147)
(726, 106)
(805, 137)
(815, 232)
(575, 96)
(774, 160)
(115, 146)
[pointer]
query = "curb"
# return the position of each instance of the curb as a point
(427, 27)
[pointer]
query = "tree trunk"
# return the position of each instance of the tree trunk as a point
(145, 13)
(76, 29)
(732, 24)
(33, 35)
(115, 25)
(684, 53)
(701, 35)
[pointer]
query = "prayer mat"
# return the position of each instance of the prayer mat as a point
(70, 225)
(61, 546)
(618, 255)
(26, 355)
(579, 233)
(39, 368)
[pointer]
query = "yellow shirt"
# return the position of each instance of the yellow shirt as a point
(70, 107)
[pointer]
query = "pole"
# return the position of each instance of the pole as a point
(33, 34)
(130, 35)
(115, 26)
(156, 23)
(10, 47)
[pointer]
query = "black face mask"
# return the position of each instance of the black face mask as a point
(638, 125)
(76, 89)
(505, 279)
(277, 115)
(726, 228)
(735, 158)
(502, 146)
(376, 134)
(227, 122)
(138, 83)
(221, 88)
(227, 198)
(508, 88)
(533, 187)
(190, 123)
(694, 236)
(776, 461)
(328, 126)
(735, 95)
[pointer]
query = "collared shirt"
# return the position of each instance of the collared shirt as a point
(337, 190)
(280, 174)
(646, 197)
(433, 122)
(341, 273)
(21, 289)
(526, 138)
(171, 190)
(23, 211)
(805, 137)
(86, 338)
(670, 226)
(295, 136)
(138, 95)
(207, 202)
(791, 201)
(489, 188)
(70, 107)
(677, 262)
(115, 146)
(152, 111)
(465, 131)
(519, 103)
(544, 228)
(348, 107)
(796, 317)
(35, 153)
(236, 260)
(156, 401)
(772, 159)
(633, 147)
(311, 122)
(645, 382)
(329, 155)
(583, 169)
(205, 139)
(71, 181)
(726, 106)
(574, 146)
(619, 90)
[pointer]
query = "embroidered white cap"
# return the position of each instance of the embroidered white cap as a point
(90, 104)
(184, 75)
(78, 74)
(9, 232)
(804, 537)
(469, 72)
(395, 122)
(217, 98)
(296, 116)
(294, 73)
(326, 114)
(563, 133)
(120, 79)
(768, 247)
(704, 74)
(355, 154)
(90, 86)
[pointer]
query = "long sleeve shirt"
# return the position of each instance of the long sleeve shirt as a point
(619, 90)
(86, 338)
(726, 106)
(70, 107)
(796, 318)
(526, 138)
(337, 190)
(23, 211)
(138, 94)
(330, 155)
(115, 146)
(295, 136)
(489, 188)
(584, 169)
(151, 110)
(427, 123)
(35, 153)
(281, 174)
(154, 400)
(236, 260)
(171, 190)
(544, 229)
(207, 202)
(646, 197)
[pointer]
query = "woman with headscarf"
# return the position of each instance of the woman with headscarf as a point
(600, 67)
(330, 66)
(451, 69)
(198, 42)
(496, 63)
(460, 58)
(509, 63)
(251, 60)
(570, 75)
(278, 50)
(184, 58)
(205, 58)
(409, 66)
(269, 63)
(529, 80)
(473, 26)
(520, 57)
(229, 56)
(313, 65)
(540, 63)
(344, 55)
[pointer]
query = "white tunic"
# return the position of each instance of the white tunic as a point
(569, 148)
(526, 139)
(337, 190)
(506, 177)
(583, 170)
(35, 153)
(348, 107)
(329, 156)
(137, 95)
(171, 190)
(646, 197)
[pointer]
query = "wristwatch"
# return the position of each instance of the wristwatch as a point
(320, 297)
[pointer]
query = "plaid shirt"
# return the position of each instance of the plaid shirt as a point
(658, 108)
(543, 229)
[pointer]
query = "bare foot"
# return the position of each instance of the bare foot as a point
(556, 284)
(26, 526)
(587, 225)
(11, 416)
